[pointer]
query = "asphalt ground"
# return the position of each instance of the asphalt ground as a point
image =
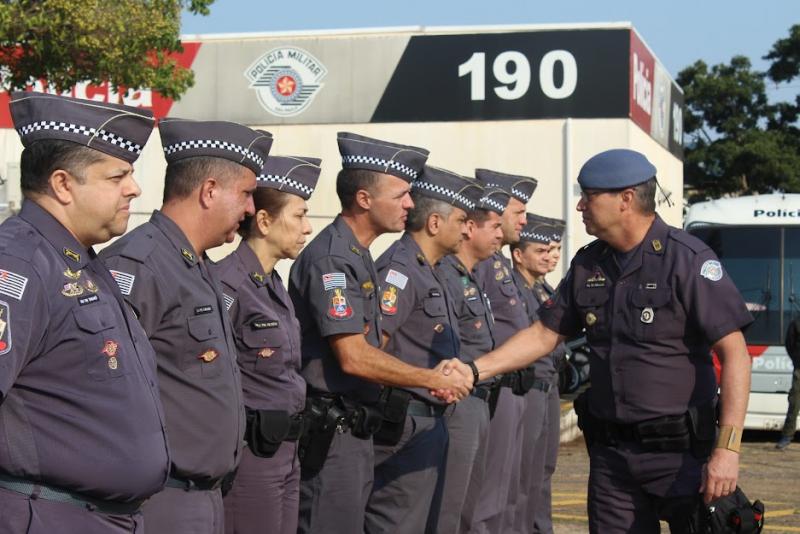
(767, 474)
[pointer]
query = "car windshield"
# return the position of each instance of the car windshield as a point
(764, 263)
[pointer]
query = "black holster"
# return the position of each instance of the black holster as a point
(365, 421)
(267, 429)
(524, 382)
(702, 429)
(322, 419)
(494, 396)
(394, 405)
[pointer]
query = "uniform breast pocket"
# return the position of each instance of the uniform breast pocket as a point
(651, 313)
(206, 350)
(593, 310)
(105, 354)
(434, 306)
(267, 349)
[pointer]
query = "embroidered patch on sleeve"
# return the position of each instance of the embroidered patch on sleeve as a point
(389, 301)
(339, 309)
(396, 278)
(124, 281)
(333, 280)
(5, 328)
(12, 284)
(711, 269)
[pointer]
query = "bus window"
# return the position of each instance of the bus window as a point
(751, 256)
(791, 302)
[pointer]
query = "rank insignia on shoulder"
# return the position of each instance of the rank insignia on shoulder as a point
(74, 275)
(266, 352)
(209, 356)
(334, 280)
(711, 269)
(186, 253)
(396, 278)
(368, 286)
(421, 259)
(389, 301)
(5, 327)
(258, 278)
(354, 250)
(72, 289)
(339, 308)
(590, 319)
(657, 246)
(71, 254)
(647, 315)
(12, 284)
(124, 281)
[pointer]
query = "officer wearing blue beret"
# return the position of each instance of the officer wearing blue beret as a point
(653, 301)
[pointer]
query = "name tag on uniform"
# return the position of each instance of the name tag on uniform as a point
(202, 310)
(88, 300)
(434, 293)
(261, 325)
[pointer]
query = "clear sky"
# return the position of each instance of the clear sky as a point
(678, 31)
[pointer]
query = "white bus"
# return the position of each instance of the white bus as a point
(757, 238)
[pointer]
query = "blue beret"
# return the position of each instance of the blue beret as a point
(615, 169)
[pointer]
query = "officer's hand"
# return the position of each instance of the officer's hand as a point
(720, 474)
(457, 380)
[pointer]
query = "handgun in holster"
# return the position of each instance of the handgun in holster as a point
(323, 419)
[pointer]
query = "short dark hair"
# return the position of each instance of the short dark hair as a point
(42, 158)
(646, 196)
(424, 207)
(350, 181)
(478, 215)
(268, 199)
(185, 175)
(521, 245)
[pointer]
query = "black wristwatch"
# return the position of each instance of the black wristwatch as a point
(475, 374)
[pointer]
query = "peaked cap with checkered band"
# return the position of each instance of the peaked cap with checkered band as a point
(460, 191)
(116, 130)
(519, 187)
(183, 138)
(558, 225)
(537, 229)
(292, 174)
(493, 199)
(359, 152)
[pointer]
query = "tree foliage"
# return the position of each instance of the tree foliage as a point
(738, 142)
(69, 41)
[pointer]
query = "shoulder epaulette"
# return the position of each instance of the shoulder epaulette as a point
(691, 242)
(138, 245)
(230, 272)
(23, 244)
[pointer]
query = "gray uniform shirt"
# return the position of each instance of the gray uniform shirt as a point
(474, 315)
(508, 306)
(333, 285)
(80, 407)
(544, 368)
(417, 310)
(266, 330)
(182, 310)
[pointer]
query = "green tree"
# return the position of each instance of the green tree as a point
(126, 43)
(737, 141)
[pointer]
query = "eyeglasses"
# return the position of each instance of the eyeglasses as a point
(588, 194)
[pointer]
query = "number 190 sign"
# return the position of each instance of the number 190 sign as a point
(512, 71)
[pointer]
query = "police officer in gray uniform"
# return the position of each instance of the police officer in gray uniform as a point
(468, 425)
(420, 328)
(496, 503)
(653, 300)
(267, 334)
(531, 257)
(163, 272)
(83, 441)
(336, 290)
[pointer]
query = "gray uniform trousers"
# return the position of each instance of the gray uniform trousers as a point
(531, 467)
(406, 476)
(333, 500)
(19, 514)
(177, 511)
(502, 464)
(543, 504)
(467, 428)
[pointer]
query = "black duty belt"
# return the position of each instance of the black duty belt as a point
(37, 490)
(542, 385)
(187, 484)
(481, 392)
(420, 408)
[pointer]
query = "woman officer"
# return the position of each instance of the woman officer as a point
(265, 493)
